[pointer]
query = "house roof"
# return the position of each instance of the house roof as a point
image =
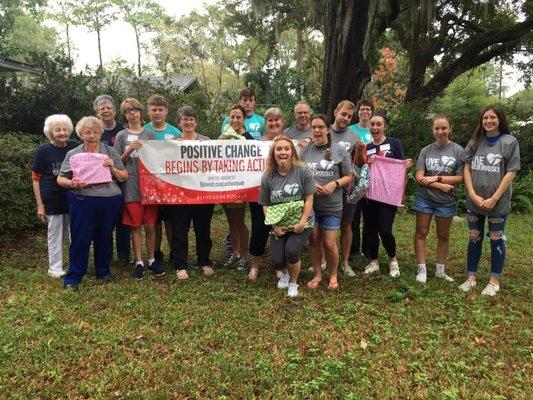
(184, 82)
(8, 65)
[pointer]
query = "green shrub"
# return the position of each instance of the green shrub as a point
(16, 193)
(521, 202)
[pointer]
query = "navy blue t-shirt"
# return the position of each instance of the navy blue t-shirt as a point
(108, 137)
(391, 148)
(47, 162)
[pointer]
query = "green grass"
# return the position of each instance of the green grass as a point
(223, 338)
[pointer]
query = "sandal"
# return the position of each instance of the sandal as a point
(252, 275)
(207, 270)
(182, 274)
(313, 283)
(333, 284)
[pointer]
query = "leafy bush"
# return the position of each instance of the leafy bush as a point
(520, 202)
(16, 191)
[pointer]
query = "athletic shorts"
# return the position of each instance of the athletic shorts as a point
(135, 214)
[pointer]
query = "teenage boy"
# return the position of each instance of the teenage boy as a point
(362, 129)
(346, 138)
(162, 130)
(302, 124)
(253, 123)
(135, 214)
(105, 110)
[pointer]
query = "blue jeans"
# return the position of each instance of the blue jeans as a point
(476, 225)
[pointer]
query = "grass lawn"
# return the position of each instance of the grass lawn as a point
(223, 338)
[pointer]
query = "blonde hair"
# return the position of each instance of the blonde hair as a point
(53, 119)
(272, 165)
(347, 104)
(274, 112)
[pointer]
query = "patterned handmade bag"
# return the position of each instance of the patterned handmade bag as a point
(361, 187)
(89, 168)
(285, 215)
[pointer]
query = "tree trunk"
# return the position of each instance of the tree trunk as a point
(68, 40)
(300, 53)
(100, 49)
(351, 31)
(137, 40)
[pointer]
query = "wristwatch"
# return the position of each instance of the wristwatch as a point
(337, 183)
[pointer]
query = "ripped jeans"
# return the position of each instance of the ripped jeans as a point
(476, 225)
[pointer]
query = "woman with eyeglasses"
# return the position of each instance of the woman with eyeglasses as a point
(331, 168)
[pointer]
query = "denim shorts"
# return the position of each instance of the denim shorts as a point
(425, 206)
(329, 222)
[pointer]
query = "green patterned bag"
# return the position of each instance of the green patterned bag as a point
(285, 215)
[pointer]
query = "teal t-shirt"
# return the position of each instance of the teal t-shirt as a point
(254, 125)
(363, 133)
(170, 132)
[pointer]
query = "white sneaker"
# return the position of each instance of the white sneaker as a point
(293, 290)
(490, 290)
(421, 275)
(394, 269)
(467, 286)
(56, 274)
(283, 282)
(347, 270)
(370, 268)
(322, 267)
(279, 273)
(443, 275)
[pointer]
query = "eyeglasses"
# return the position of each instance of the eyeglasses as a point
(89, 132)
(131, 111)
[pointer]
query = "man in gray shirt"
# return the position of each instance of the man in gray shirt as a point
(346, 138)
(302, 127)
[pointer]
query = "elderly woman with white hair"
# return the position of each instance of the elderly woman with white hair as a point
(51, 198)
(260, 232)
(93, 208)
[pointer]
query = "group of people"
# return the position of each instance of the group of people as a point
(312, 167)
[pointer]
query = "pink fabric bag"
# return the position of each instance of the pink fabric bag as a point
(89, 168)
(387, 181)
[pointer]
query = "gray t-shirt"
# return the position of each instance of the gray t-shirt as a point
(296, 185)
(325, 171)
(292, 132)
(101, 190)
(130, 188)
(489, 164)
(434, 161)
(345, 138)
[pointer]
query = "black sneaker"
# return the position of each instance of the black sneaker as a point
(158, 255)
(156, 269)
(138, 272)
